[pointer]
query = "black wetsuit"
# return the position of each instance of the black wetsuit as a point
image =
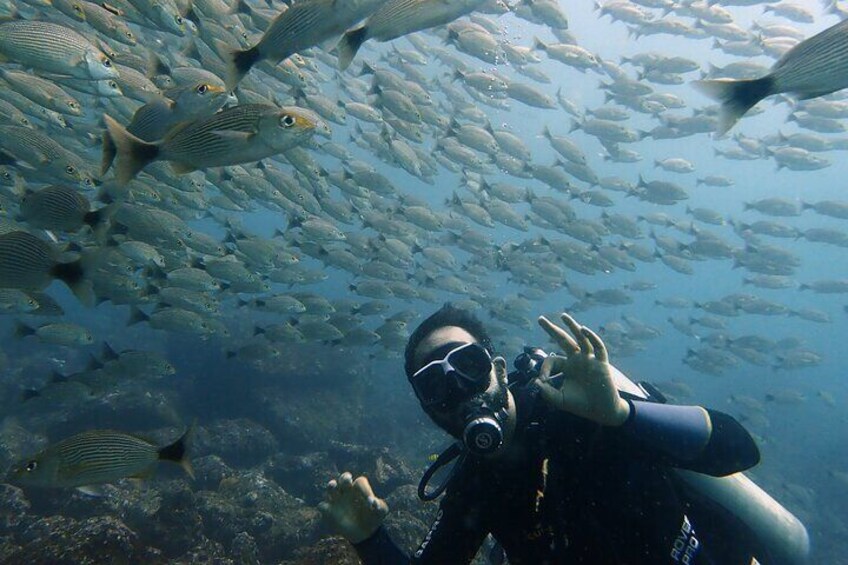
(589, 494)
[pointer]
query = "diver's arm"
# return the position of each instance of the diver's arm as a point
(380, 549)
(690, 437)
(452, 538)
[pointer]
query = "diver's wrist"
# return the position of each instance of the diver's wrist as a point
(622, 413)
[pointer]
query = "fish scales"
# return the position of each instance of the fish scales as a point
(25, 261)
(818, 65)
(54, 206)
(200, 140)
(34, 139)
(285, 35)
(388, 22)
(44, 42)
(101, 456)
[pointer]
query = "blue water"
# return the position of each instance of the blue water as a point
(802, 443)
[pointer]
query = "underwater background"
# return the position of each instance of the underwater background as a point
(278, 418)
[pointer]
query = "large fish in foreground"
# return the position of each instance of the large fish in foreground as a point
(305, 24)
(97, 457)
(396, 18)
(815, 67)
(242, 134)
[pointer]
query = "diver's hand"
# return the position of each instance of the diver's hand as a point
(588, 389)
(352, 509)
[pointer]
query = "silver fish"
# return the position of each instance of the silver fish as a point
(53, 48)
(241, 134)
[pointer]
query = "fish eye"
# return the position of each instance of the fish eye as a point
(113, 85)
(287, 120)
(107, 62)
(70, 169)
(130, 35)
(202, 89)
(87, 182)
(78, 8)
(73, 105)
(179, 20)
(31, 466)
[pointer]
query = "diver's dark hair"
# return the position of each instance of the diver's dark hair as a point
(447, 315)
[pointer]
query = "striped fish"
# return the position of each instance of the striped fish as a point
(815, 67)
(401, 17)
(96, 457)
(242, 134)
(42, 152)
(43, 92)
(189, 102)
(28, 263)
(53, 48)
(303, 25)
(59, 208)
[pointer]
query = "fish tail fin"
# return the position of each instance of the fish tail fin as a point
(137, 316)
(349, 44)
(736, 97)
(155, 65)
(73, 274)
(22, 330)
(109, 152)
(178, 451)
(132, 153)
(240, 63)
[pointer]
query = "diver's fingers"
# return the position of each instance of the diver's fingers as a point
(362, 486)
(577, 330)
(345, 481)
(597, 344)
(552, 364)
(560, 336)
(548, 392)
(501, 371)
(331, 491)
(378, 505)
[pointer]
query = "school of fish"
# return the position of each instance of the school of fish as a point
(262, 174)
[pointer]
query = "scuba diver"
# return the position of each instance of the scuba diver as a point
(568, 461)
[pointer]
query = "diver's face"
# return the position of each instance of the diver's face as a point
(452, 419)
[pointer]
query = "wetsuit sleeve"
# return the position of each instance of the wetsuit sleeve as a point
(455, 535)
(690, 437)
(380, 549)
(453, 538)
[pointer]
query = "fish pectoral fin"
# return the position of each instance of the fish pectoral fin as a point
(234, 134)
(92, 490)
(141, 477)
(182, 168)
